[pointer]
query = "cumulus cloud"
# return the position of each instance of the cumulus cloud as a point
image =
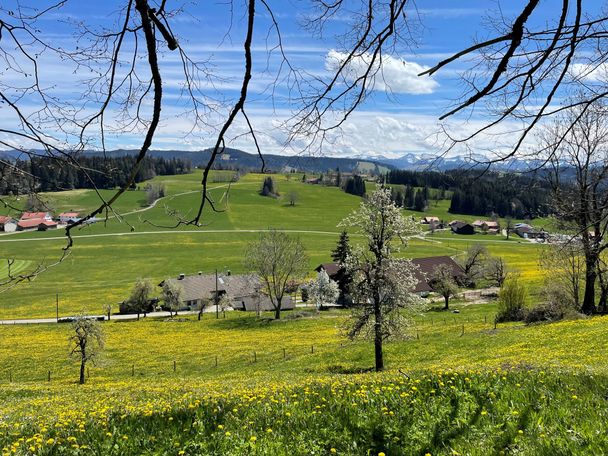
(590, 73)
(394, 75)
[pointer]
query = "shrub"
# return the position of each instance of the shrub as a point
(512, 300)
(558, 305)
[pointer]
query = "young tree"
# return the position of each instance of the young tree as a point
(292, 197)
(323, 290)
(172, 296)
(382, 284)
(473, 263)
(442, 282)
(139, 300)
(512, 300)
(86, 343)
(496, 270)
(225, 303)
(342, 250)
(277, 258)
(564, 267)
(508, 226)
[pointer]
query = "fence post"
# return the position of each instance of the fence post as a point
(48, 377)
(485, 318)
(417, 335)
(255, 357)
(284, 354)
(215, 360)
(312, 349)
(10, 376)
(132, 370)
(462, 333)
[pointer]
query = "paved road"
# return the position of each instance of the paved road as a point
(30, 321)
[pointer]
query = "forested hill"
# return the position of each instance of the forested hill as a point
(238, 159)
(45, 174)
(503, 194)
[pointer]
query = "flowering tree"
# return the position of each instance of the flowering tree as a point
(323, 290)
(382, 284)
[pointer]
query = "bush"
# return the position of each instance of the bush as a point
(557, 306)
(512, 300)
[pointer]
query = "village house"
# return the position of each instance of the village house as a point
(7, 224)
(244, 291)
(68, 217)
(36, 224)
(459, 227)
(425, 269)
(37, 215)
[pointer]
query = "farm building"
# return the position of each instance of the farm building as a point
(243, 290)
(68, 217)
(425, 269)
(37, 215)
(36, 224)
(459, 227)
(7, 224)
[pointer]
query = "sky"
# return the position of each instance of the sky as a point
(400, 116)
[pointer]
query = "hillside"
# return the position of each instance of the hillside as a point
(238, 159)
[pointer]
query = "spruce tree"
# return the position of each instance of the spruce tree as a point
(342, 249)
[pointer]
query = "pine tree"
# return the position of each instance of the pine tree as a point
(342, 249)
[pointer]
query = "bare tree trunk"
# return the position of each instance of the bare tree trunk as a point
(588, 306)
(447, 302)
(82, 365)
(378, 337)
(277, 310)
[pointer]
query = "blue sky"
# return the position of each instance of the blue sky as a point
(399, 117)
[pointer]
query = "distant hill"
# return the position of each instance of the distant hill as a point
(235, 158)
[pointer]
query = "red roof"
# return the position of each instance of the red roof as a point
(5, 219)
(35, 222)
(33, 215)
(69, 214)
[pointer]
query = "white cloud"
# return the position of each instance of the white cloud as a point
(590, 73)
(394, 75)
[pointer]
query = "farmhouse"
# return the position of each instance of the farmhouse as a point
(7, 224)
(37, 215)
(244, 290)
(36, 224)
(69, 217)
(459, 227)
(425, 269)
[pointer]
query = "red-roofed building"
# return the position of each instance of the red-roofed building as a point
(36, 215)
(69, 217)
(36, 224)
(7, 223)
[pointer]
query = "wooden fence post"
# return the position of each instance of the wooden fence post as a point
(312, 349)
(48, 377)
(132, 370)
(215, 360)
(284, 354)
(255, 357)
(174, 366)
(462, 333)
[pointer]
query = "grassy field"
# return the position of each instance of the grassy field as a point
(243, 385)
(109, 257)
(485, 391)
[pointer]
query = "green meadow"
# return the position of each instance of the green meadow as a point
(135, 242)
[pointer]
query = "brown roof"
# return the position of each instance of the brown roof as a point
(202, 286)
(331, 268)
(426, 269)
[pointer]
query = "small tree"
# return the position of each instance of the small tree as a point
(496, 271)
(508, 226)
(172, 296)
(473, 263)
(381, 284)
(277, 258)
(86, 343)
(140, 297)
(442, 282)
(224, 303)
(268, 188)
(323, 290)
(512, 300)
(292, 197)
